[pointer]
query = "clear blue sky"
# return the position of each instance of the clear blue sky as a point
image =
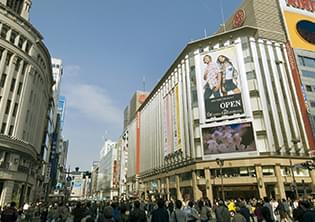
(107, 46)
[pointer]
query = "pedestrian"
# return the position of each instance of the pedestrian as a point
(298, 213)
(245, 211)
(78, 212)
(178, 215)
(309, 215)
(221, 212)
(170, 210)
(123, 215)
(9, 214)
(137, 215)
(160, 214)
(268, 206)
(204, 211)
(108, 214)
(257, 212)
(238, 217)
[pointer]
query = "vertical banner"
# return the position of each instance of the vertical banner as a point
(174, 120)
(178, 122)
(138, 144)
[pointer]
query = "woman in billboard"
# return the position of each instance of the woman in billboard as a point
(213, 77)
(229, 76)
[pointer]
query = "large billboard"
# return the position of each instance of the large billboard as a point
(299, 19)
(228, 139)
(220, 83)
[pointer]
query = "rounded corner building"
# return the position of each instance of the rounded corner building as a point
(25, 97)
(233, 116)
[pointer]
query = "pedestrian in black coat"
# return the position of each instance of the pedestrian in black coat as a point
(160, 214)
(137, 215)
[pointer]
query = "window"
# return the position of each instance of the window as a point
(17, 64)
(24, 68)
(21, 41)
(7, 61)
(28, 48)
(15, 5)
(200, 173)
(308, 74)
(312, 103)
(7, 109)
(4, 31)
(251, 75)
(16, 105)
(268, 171)
(11, 130)
(3, 127)
(186, 176)
(309, 88)
(307, 61)
(12, 84)
(19, 88)
(13, 36)
(2, 81)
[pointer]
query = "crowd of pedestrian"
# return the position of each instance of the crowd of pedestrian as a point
(239, 210)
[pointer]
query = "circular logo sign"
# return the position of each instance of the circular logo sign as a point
(239, 18)
(306, 30)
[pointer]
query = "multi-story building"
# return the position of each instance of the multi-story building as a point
(26, 89)
(94, 178)
(107, 179)
(226, 118)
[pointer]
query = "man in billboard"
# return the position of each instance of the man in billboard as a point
(213, 77)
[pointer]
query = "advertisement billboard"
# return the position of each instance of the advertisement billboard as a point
(220, 82)
(228, 139)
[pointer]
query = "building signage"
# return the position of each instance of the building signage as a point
(228, 139)
(307, 5)
(220, 83)
(239, 18)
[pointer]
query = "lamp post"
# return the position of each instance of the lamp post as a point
(220, 162)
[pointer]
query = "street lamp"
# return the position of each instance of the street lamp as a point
(220, 162)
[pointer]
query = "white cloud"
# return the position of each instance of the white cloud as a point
(89, 100)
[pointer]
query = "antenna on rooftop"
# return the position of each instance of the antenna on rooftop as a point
(205, 31)
(222, 16)
(143, 83)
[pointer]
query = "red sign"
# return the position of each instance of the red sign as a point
(239, 18)
(308, 5)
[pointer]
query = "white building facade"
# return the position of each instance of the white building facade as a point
(108, 172)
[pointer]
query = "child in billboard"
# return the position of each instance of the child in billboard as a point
(229, 76)
(213, 77)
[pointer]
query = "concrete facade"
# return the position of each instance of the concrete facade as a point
(26, 90)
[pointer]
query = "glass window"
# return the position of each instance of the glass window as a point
(309, 88)
(285, 171)
(3, 127)
(15, 109)
(307, 61)
(300, 172)
(13, 36)
(12, 84)
(251, 75)
(2, 81)
(308, 74)
(7, 109)
(268, 171)
(19, 88)
(312, 103)
(186, 176)
(200, 173)
(11, 130)
(4, 31)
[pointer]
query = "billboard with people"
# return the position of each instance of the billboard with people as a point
(228, 139)
(220, 81)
